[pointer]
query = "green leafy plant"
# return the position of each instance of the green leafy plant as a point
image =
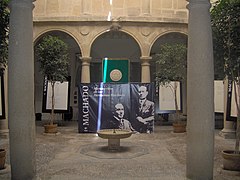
(4, 28)
(171, 66)
(52, 54)
(226, 33)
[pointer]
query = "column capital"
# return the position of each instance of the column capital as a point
(145, 60)
(85, 59)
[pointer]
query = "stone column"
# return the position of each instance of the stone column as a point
(146, 78)
(228, 131)
(21, 90)
(85, 76)
(200, 92)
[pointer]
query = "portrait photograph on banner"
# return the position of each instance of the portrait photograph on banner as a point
(97, 105)
(143, 107)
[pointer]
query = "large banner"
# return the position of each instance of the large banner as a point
(108, 106)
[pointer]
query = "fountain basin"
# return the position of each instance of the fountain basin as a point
(114, 133)
(114, 136)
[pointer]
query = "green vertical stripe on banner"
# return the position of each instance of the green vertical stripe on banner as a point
(115, 70)
(105, 64)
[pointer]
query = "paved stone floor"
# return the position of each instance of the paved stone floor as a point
(72, 156)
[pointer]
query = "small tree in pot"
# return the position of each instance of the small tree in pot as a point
(172, 66)
(52, 55)
(226, 30)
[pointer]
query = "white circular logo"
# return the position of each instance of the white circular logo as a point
(116, 75)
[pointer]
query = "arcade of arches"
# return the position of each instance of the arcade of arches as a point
(136, 42)
(94, 29)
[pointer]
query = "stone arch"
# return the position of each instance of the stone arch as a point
(70, 33)
(170, 37)
(122, 30)
(115, 44)
(164, 34)
(74, 66)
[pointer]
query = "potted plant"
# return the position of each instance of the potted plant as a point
(4, 27)
(2, 158)
(171, 66)
(226, 25)
(52, 54)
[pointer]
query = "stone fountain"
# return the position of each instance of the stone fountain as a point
(114, 136)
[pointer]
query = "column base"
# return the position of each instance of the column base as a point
(6, 170)
(228, 134)
(3, 124)
(4, 131)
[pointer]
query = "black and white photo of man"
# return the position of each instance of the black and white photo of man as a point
(118, 120)
(145, 111)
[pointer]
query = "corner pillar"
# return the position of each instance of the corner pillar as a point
(145, 64)
(184, 97)
(85, 76)
(21, 91)
(228, 131)
(200, 92)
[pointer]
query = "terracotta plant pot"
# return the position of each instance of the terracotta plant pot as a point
(50, 128)
(179, 127)
(231, 160)
(2, 158)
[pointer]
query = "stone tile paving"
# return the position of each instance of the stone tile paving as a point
(161, 155)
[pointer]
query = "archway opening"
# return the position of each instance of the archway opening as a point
(74, 70)
(169, 38)
(115, 44)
